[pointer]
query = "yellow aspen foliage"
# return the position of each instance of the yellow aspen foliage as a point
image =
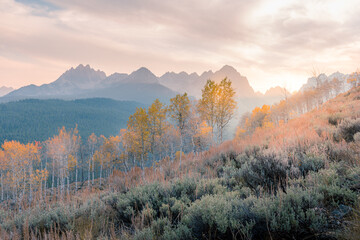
(354, 78)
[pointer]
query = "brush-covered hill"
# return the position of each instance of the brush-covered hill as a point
(297, 180)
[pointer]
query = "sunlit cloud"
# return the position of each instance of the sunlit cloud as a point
(270, 42)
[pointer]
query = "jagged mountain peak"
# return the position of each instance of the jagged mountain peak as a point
(228, 68)
(142, 75)
(83, 77)
(85, 69)
(142, 70)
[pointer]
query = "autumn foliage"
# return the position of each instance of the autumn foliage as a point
(285, 176)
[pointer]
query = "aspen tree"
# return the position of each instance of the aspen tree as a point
(179, 111)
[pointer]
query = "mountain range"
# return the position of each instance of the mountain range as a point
(85, 82)
(141, 86)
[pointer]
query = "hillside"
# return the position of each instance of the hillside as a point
(298, 180)
(30, 120)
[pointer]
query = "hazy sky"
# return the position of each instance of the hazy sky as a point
(272, 43)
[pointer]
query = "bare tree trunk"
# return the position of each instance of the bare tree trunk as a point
(126, 165)
(142, 166)
(181, 146)
(68, 184)
(53, 179)
(93, 170)
(101, 169)
(2, 188)
(89, 173)
(76, 178)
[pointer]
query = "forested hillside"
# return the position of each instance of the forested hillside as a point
(30, 120)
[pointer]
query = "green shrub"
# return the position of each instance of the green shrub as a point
(144, 234)
(267, 171)
(222, 216)
(336, 195)
(133, 202)
(294, 215)
(163, 229)
(186, 187)
(310, 163)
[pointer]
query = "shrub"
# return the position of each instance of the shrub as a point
(335, 184)
(336, 195)
(217, 161)
(357, 137)
(294, 215)
(348, 128)
(334, 119)
(186, 187)
(42, 220)
(220, 216)
(309, 163)
(144, 234)
(163, 229)
(268, 171)
(133, 202)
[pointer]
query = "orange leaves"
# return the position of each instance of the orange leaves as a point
(109, 151)
(38, 176)
(19, 154)
(63, 149)
(138, 133)
(260, 118)
(17, 161)
(71, 162)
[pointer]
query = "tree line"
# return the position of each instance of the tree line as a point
(66, 163)
(293, 106)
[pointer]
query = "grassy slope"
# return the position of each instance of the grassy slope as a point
(296, 181)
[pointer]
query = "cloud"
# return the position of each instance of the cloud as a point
(270, 42)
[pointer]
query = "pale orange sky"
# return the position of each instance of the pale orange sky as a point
(270, 42)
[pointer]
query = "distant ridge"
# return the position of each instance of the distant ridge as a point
(5, 90)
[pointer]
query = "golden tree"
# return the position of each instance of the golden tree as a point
(157, 125)
(108, 155)
(217, 105)
(207, 105)
(138, 135)
(179, 111)
(226, 105)
(63, 149)
(17, 161)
